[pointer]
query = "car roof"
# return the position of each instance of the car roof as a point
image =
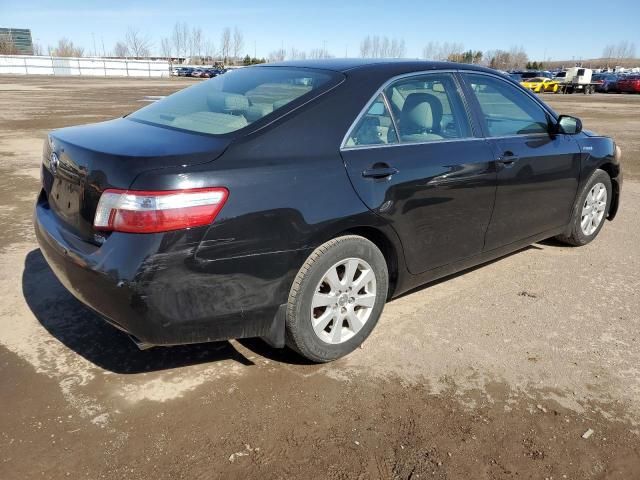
(378, 64)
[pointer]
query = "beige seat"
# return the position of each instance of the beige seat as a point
(210, 122)
(421, 118)
(257, 110)
(231, 103)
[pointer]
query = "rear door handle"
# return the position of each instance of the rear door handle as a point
(379, 172)
(507, 159)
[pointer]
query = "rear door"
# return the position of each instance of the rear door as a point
(538, 172)
(414, 159)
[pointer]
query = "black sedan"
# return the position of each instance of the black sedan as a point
(290, 201)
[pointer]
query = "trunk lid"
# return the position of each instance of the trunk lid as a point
(91, 158)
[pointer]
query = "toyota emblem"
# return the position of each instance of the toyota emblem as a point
(54, 161)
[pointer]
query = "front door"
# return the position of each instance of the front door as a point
(538, 172)
(414, 159)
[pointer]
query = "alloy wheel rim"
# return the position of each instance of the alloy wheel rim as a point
(343, 300)
(593, 209)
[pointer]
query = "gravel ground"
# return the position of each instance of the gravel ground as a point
(494, 373)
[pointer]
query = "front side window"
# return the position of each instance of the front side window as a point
(375, 127)
(428, 108)
(234, 100)
(506, 109)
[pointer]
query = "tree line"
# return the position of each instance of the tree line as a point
(624, 50)
(192, 43)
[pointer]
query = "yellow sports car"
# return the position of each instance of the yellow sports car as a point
(540, 84)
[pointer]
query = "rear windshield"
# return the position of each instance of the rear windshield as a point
(234, 100)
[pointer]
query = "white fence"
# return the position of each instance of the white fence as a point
(95, 67)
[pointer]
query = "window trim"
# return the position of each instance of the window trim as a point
(380, 91)
(393, 118)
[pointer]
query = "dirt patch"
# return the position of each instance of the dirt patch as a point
(271, 424)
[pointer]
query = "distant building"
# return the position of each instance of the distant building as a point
(21, 39)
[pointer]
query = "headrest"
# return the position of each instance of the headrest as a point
(420, 112)
(223, 102)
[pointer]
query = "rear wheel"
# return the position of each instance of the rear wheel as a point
(590, 210)
(336, 298)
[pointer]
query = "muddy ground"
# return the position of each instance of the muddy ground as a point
(494, 373)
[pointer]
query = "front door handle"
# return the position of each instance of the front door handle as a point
(379, 171)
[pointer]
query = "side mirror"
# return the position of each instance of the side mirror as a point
(569, 125)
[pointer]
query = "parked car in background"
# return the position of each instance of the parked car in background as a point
(185, 71)
(540, 85)
(290, 201)
(629, 84)
(605, 82)
(212, 72)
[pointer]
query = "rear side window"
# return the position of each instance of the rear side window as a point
(506, 109)
(428, 108)
(234, 100)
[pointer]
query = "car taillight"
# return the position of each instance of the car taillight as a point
(158, 211)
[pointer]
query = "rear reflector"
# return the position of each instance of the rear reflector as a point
(161, 211)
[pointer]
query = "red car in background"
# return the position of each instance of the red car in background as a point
(629, 84)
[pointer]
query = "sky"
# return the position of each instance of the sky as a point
(547, 30)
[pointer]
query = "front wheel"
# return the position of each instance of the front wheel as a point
(590, 210)
(337, 298)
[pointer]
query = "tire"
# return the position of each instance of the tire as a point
(314, 282)
(577, 235)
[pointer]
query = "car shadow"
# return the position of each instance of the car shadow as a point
(84, 332)
(554, 242)
(91, 337)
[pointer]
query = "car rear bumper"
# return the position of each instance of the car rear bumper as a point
(154, 287)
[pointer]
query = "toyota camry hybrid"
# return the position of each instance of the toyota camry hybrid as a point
(290, 201)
